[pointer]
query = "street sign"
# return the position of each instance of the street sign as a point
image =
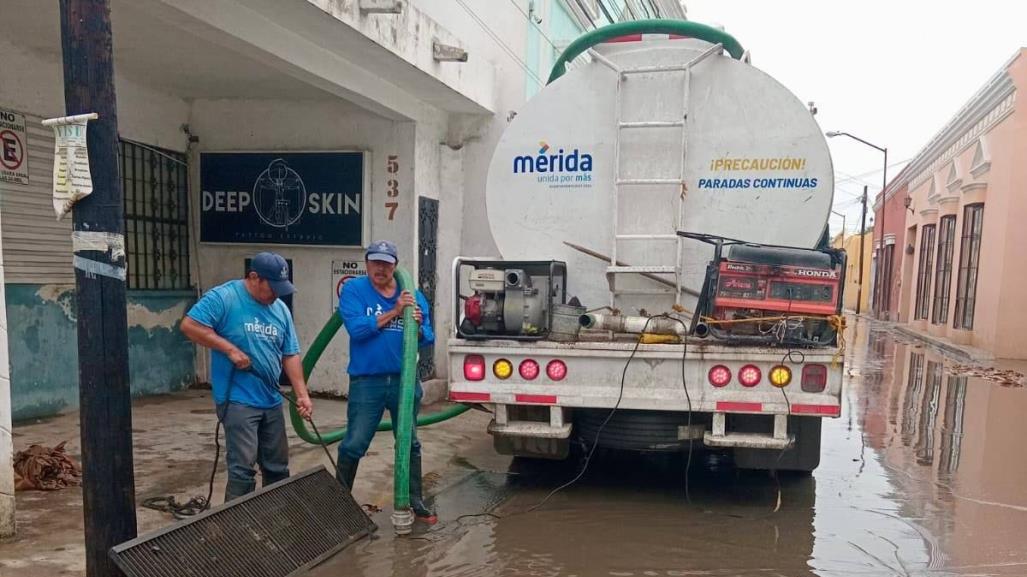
(14, 164)
(343, 271)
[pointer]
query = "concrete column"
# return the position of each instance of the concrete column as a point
(6, 440)
(451, 216)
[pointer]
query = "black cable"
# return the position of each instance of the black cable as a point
(688, 398)
(197, 504)
(320, 440)
(595, 442)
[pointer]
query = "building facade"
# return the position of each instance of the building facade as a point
(364, 119)
(890, 234)
(852, 293)
(963, 267)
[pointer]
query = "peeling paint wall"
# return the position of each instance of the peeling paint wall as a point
(44, 351)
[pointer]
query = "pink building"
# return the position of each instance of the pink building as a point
(963, 268)
(889, 236)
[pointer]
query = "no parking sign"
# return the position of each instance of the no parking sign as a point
(14, 165)
(342, 271)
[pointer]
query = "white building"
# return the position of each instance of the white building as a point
(383, 81)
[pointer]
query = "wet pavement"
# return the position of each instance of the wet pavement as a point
(925, 473)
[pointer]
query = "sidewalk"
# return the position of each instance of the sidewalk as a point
(961, 352)
(173, 437)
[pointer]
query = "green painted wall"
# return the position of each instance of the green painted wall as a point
(43, 346)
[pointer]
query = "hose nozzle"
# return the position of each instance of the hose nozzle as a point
(403, 521)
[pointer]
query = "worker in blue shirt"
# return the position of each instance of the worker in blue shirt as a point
(252, 339)
(371, 308)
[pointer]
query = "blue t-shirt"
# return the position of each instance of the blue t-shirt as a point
(374, 351)
(264, 332)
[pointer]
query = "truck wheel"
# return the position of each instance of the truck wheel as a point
(803, 457)
(634, 430)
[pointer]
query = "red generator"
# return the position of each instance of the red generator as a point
(772, 295)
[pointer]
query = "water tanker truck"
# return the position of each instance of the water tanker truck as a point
(662, 282)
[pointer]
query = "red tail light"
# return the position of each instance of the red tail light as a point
(474, 368)
(529, 370)
(814, 378)
(556, 370)
(750, 375)
(719, 376)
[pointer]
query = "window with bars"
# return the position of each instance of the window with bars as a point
(969, 262)
(923, 277)
(943, 269)
(156, 189)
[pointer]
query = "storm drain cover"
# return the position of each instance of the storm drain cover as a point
(274, 532)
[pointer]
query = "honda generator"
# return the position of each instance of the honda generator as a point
(770, 294)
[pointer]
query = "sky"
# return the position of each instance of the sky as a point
(890, 72)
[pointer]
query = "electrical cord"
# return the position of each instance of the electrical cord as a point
(599, 432)
(197, 504)
(688, 398)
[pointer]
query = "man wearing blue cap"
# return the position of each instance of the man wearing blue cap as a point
(371, 307)
(252, 338)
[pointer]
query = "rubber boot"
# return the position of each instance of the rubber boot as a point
(236, 489)
(347, 472)
(422, 511)
(271, 478)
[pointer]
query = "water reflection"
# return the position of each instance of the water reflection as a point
(924, 474)
(958, 462)
(928, 415)
(952, 427)
(914, 386)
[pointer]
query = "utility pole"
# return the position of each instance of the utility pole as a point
(882, 291)
(862, 243)
(108, 483)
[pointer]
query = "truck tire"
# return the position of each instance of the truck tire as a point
(803, 457)
(633, 430)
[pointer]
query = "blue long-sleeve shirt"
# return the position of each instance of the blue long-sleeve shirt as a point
(374, 351)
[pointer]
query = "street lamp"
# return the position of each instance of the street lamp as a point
(884, 185)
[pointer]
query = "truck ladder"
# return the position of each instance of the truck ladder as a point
(623, 185)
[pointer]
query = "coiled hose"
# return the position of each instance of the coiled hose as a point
(299, 424)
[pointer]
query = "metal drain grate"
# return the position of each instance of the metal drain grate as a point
(274, 532)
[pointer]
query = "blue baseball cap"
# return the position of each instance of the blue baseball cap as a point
(382, 250)
(275, 270)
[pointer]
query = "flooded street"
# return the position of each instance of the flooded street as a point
(925, 473)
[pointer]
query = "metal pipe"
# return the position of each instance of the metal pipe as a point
(679, 27)
(630, 324)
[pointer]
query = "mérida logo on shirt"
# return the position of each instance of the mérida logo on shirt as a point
(260, 328)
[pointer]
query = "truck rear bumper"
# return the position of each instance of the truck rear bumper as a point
(768, 402)
(557, 429)
(779, 440)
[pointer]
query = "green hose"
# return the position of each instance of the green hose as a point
(407, 382)
(677, 27)
(317, 348)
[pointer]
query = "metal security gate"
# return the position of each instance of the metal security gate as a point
(427, 277)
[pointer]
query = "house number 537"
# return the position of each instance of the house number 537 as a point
(392, 185)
